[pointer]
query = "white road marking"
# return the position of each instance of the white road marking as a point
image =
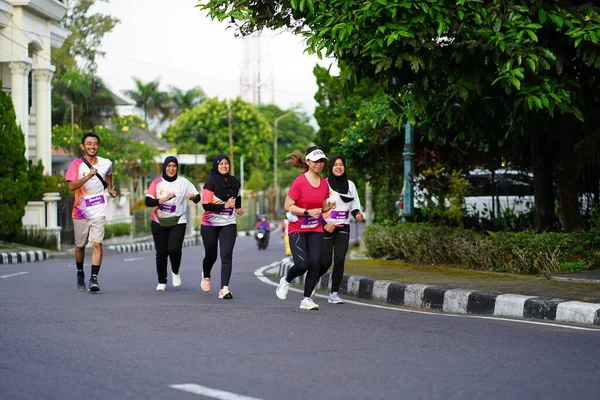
(259, 274)
(133, 259)
(209, 392)
(11, 275)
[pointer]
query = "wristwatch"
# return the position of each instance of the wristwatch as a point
(306, 213)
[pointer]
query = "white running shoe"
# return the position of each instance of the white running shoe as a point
(308, 304)
(282, 289)
(176, 279)
(161, 287)
(334, 298)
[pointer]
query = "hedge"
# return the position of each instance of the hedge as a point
(522, 252)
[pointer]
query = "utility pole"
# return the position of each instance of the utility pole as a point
(275, 183)
(231, 167)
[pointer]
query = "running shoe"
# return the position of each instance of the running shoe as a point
(161, 287)
(205, 285)
(308, 304)
(225, 293)
(81, 281)
(334, 298)
(282, 289)
(175, 279)
(93, 285)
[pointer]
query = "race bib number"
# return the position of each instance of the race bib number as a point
(226, 211)
(339, 215)
(170, 208)
(309, 222)
(91, 201)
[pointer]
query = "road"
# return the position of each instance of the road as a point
(131, 342)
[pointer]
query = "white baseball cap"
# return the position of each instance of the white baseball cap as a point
(316, 155)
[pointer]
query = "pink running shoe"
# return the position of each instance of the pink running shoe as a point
(205, 285)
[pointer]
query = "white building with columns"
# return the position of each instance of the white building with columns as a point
(29, 29)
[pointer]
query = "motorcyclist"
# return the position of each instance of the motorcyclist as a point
(263, 223)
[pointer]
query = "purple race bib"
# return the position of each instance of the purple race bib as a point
(339, 215)
(226, 211)
(94, 200)
(170, 208)
(309, 222)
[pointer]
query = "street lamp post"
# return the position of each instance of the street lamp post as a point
(275, 184)
(408, 155)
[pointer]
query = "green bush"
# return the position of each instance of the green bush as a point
(114, 230)
(522, 252)
(37, 238)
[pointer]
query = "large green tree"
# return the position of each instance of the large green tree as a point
(76, 91)
(543, 56)
(205, 130)
(15, 175)
(86, 29)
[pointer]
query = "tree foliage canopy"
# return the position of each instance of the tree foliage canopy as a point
(205, 130)
(15, 175)
(470, 71)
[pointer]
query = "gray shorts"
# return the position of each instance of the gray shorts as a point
(92, 229)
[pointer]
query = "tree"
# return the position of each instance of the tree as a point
(204, 129)
(293, 132)
(541, 55)
(14, 176)
(131, 159)
(72, 85)
(149, 99)
(184, 100)
(87, 30)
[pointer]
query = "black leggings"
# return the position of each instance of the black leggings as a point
(168, 242)
(306, 252)
(225, 236)
(336, 243)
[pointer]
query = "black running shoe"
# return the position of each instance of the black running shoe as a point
(93, 286)
(81, 281)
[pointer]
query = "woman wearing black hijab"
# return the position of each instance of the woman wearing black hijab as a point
(168, 194)
(337, 224)
(222, 201)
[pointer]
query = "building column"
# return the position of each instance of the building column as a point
(19, 92)
(43, 109)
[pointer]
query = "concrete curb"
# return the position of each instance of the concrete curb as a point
(458, 301)
(147, 246)
(17, 257)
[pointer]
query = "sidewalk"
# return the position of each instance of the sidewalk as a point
(571, 298)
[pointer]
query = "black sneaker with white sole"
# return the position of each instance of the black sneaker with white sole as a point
(81, 281)
(93, 286)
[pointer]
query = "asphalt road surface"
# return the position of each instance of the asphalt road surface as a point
(131, 342)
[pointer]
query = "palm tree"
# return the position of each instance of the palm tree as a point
(181, 101)
(150, 99)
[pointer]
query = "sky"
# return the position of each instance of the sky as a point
(180, 45)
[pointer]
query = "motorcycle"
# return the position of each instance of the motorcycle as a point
(262, 238)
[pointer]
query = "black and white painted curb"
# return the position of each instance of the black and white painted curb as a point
(459, 301)
(146, 246)
(17, 257)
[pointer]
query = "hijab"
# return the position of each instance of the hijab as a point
(223, 186)
(168, 160)
(339, 183)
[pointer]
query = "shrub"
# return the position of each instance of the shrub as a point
(114, 230)
(521, 252)
(37, 238)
